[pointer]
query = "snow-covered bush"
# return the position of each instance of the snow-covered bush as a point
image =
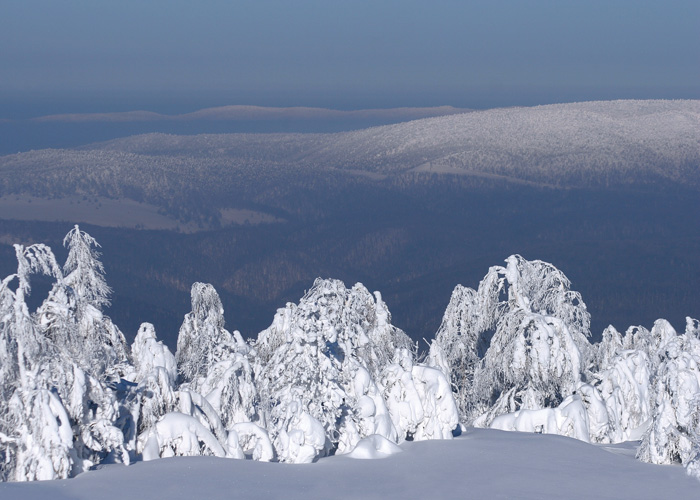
(254, 438)
(177, 434)
(568, 419)
(42, 442)
(374, 447)
(440, 414)
(373, 417)
(419, 399)
(298, 436)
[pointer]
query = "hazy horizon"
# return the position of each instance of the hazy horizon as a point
(174, 57)
(27, 104)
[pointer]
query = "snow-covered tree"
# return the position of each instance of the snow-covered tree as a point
(383, 338)
(611, 345)
(518, 341)
(625, 388)
(302, 385)
(203, 340)
(36, 439)
(322, 358)
(156, 375)
(672, 435)
(692, 328)
(83, 270)
(539, 348)
(92, 354)
(458, 342)
(214, 362)
(71, 316)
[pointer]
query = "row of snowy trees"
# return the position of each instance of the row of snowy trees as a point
(331, 375)
(517, 355)
(328, 373)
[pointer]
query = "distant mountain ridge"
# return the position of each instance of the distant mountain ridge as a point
(615, 144)
(659, 139)
(244, 112)
(604, 141)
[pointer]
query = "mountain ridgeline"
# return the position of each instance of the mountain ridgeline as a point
(607, 190)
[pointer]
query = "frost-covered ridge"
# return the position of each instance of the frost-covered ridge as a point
(616, 144)
(579, 144)
(330, 376)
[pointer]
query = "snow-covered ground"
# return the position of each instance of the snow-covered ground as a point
(482, 463)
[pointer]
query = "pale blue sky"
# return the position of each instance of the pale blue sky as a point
(354, 53)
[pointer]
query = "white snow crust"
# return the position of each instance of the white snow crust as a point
(483, 463)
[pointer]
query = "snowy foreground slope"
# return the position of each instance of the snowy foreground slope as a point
(482, 463)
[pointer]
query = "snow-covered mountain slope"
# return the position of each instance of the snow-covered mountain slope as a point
(590, 144)
(483, 463)
(577, 144)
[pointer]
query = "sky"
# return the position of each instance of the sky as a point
(348, 54)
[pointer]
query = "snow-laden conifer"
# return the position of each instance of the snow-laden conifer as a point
(610, 346)
(692, 328)
(36, 439)
(673, 433)
(384, 338)
(91, 354)
(625, 387)
(155, 372)
(458, 342)
(214, 362)
(320, 358)
(302, 385)
(83, 270)
(72, 313)
(530, 331)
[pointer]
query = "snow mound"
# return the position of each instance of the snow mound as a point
(569, 419)
(374, 446)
